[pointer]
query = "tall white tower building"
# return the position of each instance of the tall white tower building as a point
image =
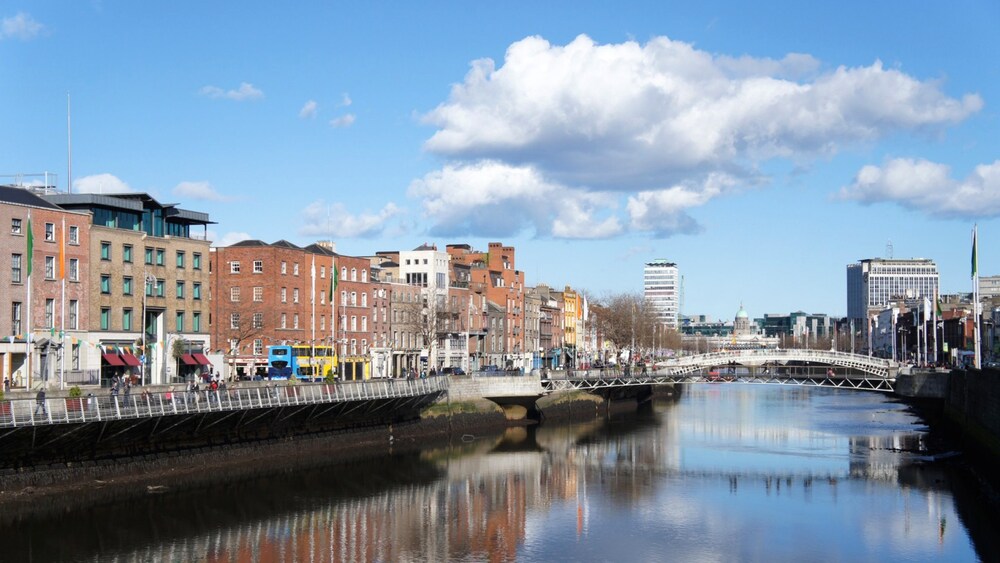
(661, 288)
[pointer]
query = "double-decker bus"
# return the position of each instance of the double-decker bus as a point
(302, 362)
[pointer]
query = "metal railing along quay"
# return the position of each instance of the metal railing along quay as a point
(145, 404)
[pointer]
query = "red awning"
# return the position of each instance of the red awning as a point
(112, 359)
(130, 360)
(201, 359)
(188, 360)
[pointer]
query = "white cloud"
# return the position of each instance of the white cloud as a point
(198, 190)
(664, 212)
(101, 184)
(658, 123)
(928, 187)
(322, 219)
(246, 91)
(227, 239)
(491, 198)
(345, 120)
(308, 111)
(345, 100)
(21, 26)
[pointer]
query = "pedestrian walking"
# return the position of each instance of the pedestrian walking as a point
(6, 384)
(40, 402)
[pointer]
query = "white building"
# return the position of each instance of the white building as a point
(875, 282)
(661, 288)
(428, 268)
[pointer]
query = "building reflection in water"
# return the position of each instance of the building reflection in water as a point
(476, 502)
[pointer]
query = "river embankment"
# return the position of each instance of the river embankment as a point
(59, 485)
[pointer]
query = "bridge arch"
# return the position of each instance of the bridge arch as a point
(876, 367)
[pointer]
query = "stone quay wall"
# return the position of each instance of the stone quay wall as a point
(973, 405)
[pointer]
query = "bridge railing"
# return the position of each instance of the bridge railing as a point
(31, 412)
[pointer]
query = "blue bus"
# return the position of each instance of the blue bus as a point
(301, 362)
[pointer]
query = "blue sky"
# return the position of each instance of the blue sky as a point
(761, 147)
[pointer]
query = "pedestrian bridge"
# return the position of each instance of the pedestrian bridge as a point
(782, 367)
(763, 361)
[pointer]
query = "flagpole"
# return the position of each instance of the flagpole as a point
(62, 305)
(975, 297)
(27, 332)
(312, 338)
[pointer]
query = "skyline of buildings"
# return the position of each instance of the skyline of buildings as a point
(387, 314)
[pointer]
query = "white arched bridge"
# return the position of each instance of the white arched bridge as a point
(779, 366)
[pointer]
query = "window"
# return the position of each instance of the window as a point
(258, 266)
(180, 258)
(159, 287)
(74, 234)
(354, 346)
(284, 267)
(295, 295)
(196, 290)
(196, 321)
(15, 226)
(364, 275)
(343, 298)
(180, 290)
(322, 297)
(74, 269)
(284, 295)
(295, 320)
(234, 321)
(354, 323)
(15, 268)
(354, 274)
(284, 320)
(322, 272)
(50, 232)
(50, 267)
(74, 314)
(148, 255)
(234, 267)
(322, 323)
(160, 256)
(234, 294)
(105, 284)
(127, 253)
(196, 260)
(258, 294)
(105, 318)
(258, 320)
(15, 315)
(295, 269)
(364, 299)
(258, 347)
(343, 273)
(354, 299)
(364, 324)
(105, 250)
(179, 321)
(127, 285)
(75, 361)
(126, 319)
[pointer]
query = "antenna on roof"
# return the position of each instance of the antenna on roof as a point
(888, 250)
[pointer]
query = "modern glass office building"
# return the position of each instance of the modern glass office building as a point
(875, 282)
(661, 288)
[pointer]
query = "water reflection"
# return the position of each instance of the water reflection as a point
(729, 473)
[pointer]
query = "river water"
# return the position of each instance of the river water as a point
(722, 473)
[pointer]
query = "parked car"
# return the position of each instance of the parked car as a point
(452, 371)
